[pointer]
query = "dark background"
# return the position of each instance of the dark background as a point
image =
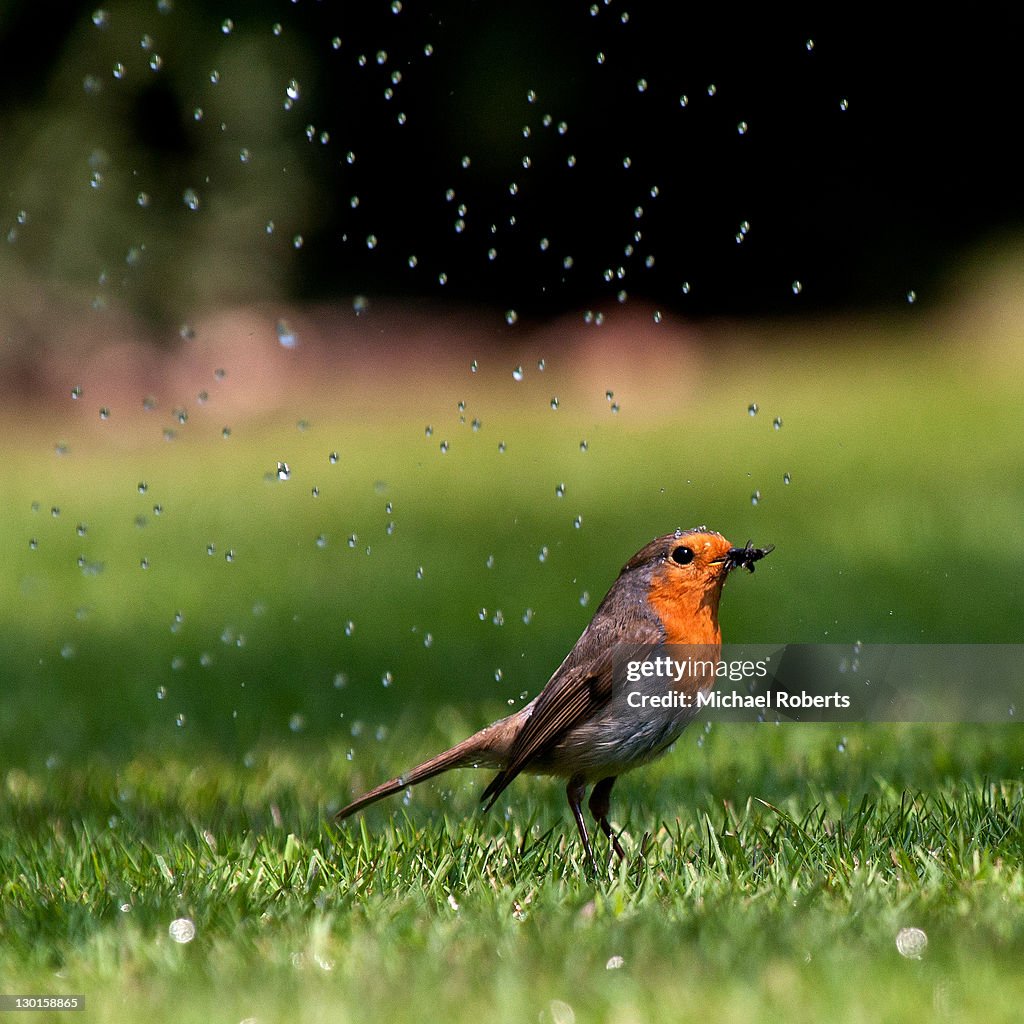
(861, 206)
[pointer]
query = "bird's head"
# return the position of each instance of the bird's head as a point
(686, 571)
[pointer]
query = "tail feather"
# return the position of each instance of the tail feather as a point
(486, 749)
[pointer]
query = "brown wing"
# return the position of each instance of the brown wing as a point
(569, 698)
(581, 685)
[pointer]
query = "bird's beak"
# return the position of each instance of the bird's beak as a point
(745, 557)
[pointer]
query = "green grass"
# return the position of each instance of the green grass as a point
(763, 889)
(778, 863)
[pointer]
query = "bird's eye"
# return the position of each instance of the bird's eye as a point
(682, 555)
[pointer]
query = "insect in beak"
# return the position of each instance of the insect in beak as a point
(745, 557)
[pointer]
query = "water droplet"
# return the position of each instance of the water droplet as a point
(293, 91)
(517, 373)
(755, 498)
(180, 721)
(297, 723)
(285, 335)
(777, 423)
(284, 471)
(752, 408)
(911, 943)
(501, 446)
(371, 241)
(844, 104)
(911, 296)
(559, 1011)
(542, 555)
(741, 128)
(182, 930)
(190, 198)
(554, 402)
(444, 447)
(641, 85)
(227, 26)
(786, 478)
(360, 305)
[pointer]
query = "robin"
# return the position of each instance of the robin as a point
(582, 728)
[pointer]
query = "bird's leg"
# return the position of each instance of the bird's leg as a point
(575, 791)
(600, 801)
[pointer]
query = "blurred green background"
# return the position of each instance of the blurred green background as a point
(353, 560)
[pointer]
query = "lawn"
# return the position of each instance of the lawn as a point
(209, 643)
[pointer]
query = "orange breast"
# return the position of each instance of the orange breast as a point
(688, 613)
